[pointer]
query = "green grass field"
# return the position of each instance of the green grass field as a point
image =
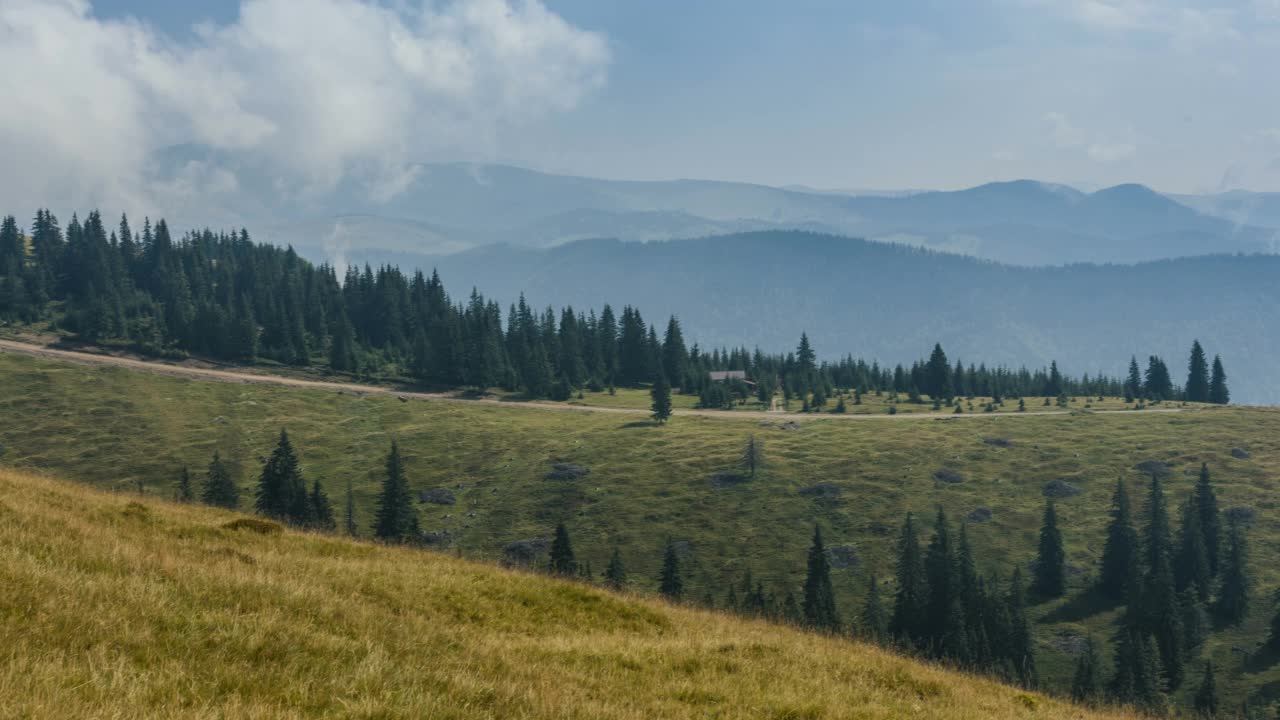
(118, 608)
(126, 430)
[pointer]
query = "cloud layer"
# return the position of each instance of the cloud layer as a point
(321, 92)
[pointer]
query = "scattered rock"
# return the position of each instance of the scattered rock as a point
(1239, 650)
(1070, 643)
(524, 552)
(728, 479)
(821, 491)
(1237, 453)
(437, 538)
(566, 471)
(880, 529)
(221, 420)
(951, 477)
(683, 548)
(1060, 489)
(258, 525)
(437, 496)
(843, 557)
(1242, 514)
(1152, 467)
(402, 398)
(999, 442)
(979, 515)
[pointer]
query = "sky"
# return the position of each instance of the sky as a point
(903, 94)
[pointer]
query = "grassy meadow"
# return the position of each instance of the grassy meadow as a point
(131, 432)
(115, 606)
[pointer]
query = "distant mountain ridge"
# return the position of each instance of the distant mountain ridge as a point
(443, 208)
(892, 303)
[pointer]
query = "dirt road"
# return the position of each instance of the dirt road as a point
(214, 374)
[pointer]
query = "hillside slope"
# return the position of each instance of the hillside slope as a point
(113, 607)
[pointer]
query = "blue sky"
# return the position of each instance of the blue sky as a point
(908, 94)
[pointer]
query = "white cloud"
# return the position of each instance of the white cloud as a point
(1066, 136)
(319, 90)
(1111, 152)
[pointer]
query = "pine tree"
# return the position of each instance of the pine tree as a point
(1160, 614)
(875, 626)
(1273, 634)
(1206, 699)
(1053, 386)
(1087, 683)
(675, 357)
(940, 579)
(806, 358)
(819, 597)
(1191, 568)
(1050, 577)
(752, 456)
(1206, 505)
(321, 509)
(1233, 595)
(349, 519)
(661, 396)
(1197, 388)
(1120, 554)
(561, 559)
(1133, 384)
(1021, 653)
(281, 492)
(1137, 675)
(396, 519)
(907, 624)
(219, 488)
(669, 582)
(1218, 392)
(615, 573)
(185, 492)
(937, 375)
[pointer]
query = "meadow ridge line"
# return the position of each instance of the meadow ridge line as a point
(232, 376)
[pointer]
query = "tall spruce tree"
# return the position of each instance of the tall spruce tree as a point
(615, 573)
(1160, 613)
(321, 508)
(943, 591)
(1233, 594)
(1086, 683)
(670, 584)
(1133, 382)
(875, 625)
(560, 558)
(1120, 553)
(660, 394)
(1206, 699)
(1136, 680)
(1197, 387)
(752, 457)
(1191, 567)
(819, 598)
(937, 375)
(1021, 652)
(1218, 392)
(185, 492)
(282, 492)
(349, 516)
(1050, 577)
(219, 488)
(396, 519)
(908, 622)
(1206, 505)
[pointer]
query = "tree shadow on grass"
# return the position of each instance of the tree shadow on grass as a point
(1262, 659)
(1083, 605)
(639, 424)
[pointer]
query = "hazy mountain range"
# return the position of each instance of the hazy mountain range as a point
(443, 208)
(892, 303)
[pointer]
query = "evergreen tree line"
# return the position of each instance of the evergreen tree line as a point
(223, 296)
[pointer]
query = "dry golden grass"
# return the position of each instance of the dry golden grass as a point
(112, 607)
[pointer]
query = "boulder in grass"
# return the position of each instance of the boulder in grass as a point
(999, 442)
(1152, 467)
(950, 477)
(728, 479)
(821, 491)
(438, 496)
(524, 552)
(1242, 514)
(979, 515)
(843, 557)
(567, 471)
(1237, 453)
(1060, 489)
